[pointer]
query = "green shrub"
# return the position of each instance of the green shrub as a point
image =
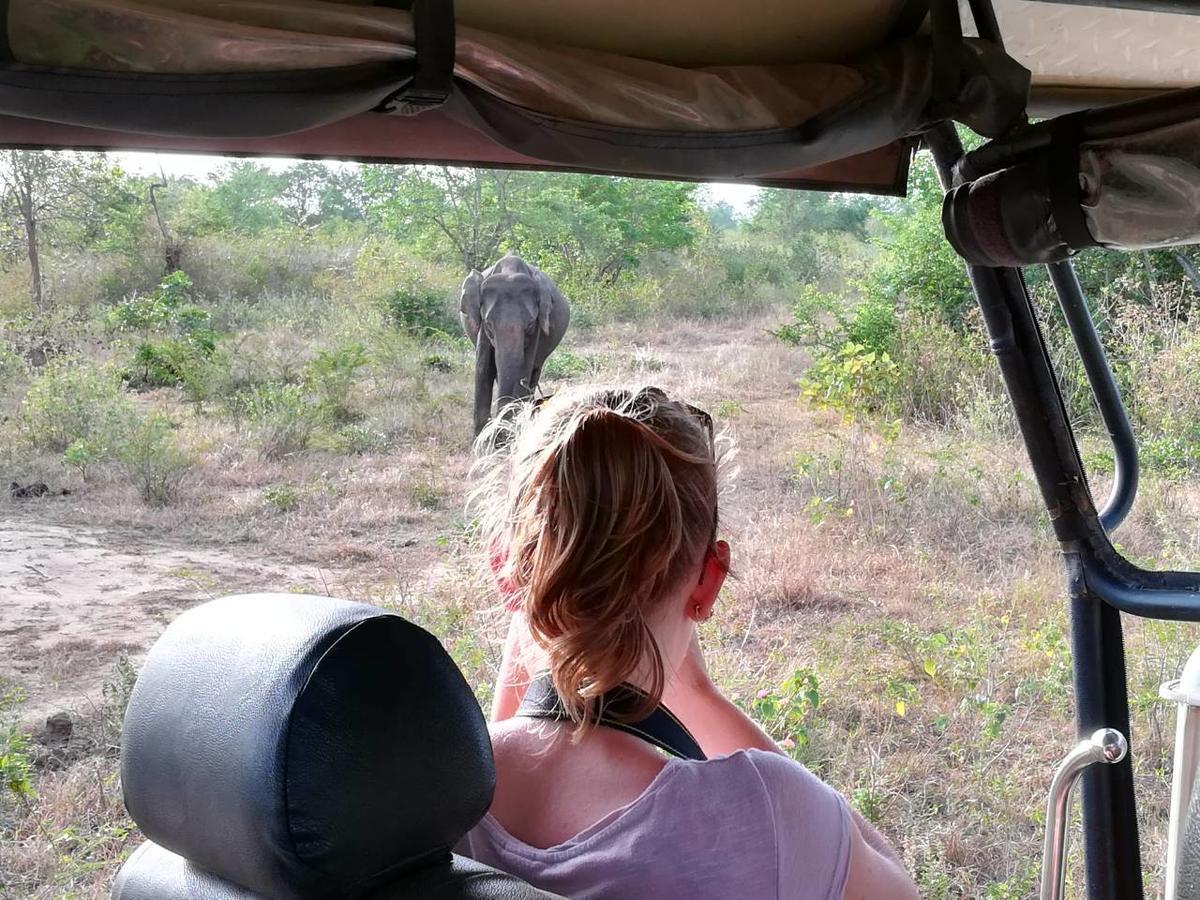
(873, 324)
(355, 439)
(150, 457)
(426, 494)
(853, 379)
(786, 711)
(82, 455)
(283, 417)
(566, 363)
(284, 497)
(816, 320)
(148, 312)
(16, 766)
(438, 362)
(330, 378)
(71, 401)
(420, 310)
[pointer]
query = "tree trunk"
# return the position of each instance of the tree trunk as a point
(1189, 268)
(35, 262)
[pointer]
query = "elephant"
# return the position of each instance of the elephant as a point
(515, 316)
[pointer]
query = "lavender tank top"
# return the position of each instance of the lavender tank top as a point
(752, 825)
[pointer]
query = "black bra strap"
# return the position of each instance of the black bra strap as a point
(660, 728)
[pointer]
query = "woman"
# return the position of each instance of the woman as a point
(602, 512)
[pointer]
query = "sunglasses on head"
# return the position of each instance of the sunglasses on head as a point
(614, 399)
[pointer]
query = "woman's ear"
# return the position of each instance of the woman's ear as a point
(713, 570)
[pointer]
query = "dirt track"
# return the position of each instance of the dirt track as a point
(72, 599)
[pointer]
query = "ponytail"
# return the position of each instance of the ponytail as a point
(612, 498)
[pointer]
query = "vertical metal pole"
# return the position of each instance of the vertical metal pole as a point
(1111, 851)
(1104, 389)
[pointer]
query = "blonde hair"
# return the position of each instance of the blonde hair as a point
(599, 501)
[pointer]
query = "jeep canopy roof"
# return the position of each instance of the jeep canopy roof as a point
(800, 93)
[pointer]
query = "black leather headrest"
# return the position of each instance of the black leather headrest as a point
(303, 746)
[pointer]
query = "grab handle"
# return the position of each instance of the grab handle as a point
(1104, 746)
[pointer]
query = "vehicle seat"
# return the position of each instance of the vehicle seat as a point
(291, 746)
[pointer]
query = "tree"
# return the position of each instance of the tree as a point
(315, 193)
(448, 212)
(38, 189)
(598, 227)
(721, 216)
(243, 199)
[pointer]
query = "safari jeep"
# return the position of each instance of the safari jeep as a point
(261, 756)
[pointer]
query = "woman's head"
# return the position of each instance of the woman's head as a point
(605, 502)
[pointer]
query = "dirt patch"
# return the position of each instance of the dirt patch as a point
(75, 598)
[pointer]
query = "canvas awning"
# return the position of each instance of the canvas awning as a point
(790, 92)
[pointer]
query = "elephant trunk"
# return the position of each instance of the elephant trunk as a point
(514, 369)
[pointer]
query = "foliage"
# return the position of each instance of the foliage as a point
(283, 497)
(151, 459)
(179, 340)
(582, 226)
(16, 766)
(853, 379)
(282, 415)
(786, 711)
(329, 377)
(72, 401)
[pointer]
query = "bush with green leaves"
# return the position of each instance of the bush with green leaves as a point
(283, 417)
(16, 764)
(71, 401)
(151, 458)
(329, 377)
(178, 338)
(817, 320)
(153, 311)
(853, 379)
(786, 711)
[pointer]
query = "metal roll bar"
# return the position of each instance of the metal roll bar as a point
(1111, 845)
(1106, 745)
(1104, 390)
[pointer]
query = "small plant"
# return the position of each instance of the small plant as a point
(426, 494)
(356, 439)
(150, 457)
(330, 378)
(117, 689)
(784, 711)
(853, 379)
(564, 363)
(16, 767)
(727, 409)
(283, 417)
(82, 455)
(869, 803)
(438, 362)
(284, 497)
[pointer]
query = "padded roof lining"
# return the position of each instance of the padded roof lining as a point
(1099, 52)
(696, 32)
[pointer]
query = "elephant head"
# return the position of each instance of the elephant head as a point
(515, 316)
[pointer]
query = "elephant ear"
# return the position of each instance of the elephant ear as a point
(469, 303)
(547, 296)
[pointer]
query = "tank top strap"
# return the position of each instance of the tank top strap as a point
(660, 728)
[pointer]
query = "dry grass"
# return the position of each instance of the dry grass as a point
(911, 572)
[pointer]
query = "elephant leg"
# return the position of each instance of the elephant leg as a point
(485, 380)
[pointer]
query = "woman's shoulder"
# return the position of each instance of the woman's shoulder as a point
(759, 782)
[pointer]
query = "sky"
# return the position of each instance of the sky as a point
(739, 196)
